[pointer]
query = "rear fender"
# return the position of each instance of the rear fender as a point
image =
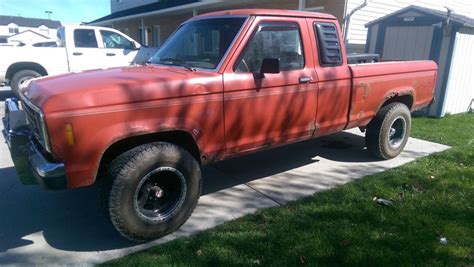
(396, 94)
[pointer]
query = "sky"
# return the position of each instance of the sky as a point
(66, 11)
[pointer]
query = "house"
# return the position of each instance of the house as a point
(21, 29)
(152, 21)
(159, 18)
(28, 36)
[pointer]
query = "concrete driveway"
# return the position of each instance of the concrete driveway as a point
(40, 227)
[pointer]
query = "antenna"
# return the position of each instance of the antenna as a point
(49, 14)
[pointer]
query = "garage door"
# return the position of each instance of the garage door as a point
(407, 43)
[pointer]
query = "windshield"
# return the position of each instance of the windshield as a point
(199, 44)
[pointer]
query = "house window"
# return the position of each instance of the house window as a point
(13, 28)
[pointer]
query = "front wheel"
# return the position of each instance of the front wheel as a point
(151, 190)
(388, 132)
(20, 78)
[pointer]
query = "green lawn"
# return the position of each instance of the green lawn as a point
(433, 196)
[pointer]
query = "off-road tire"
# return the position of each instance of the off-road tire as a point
(379, 129)
(20, 77)
(123, 178)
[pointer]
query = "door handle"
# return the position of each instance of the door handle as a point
(77, 54)
(305, 79)
(110, 54)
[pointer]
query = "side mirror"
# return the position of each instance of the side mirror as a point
(269, 65)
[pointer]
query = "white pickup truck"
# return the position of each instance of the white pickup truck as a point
(79, 48)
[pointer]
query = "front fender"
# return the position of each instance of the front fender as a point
(82, 159)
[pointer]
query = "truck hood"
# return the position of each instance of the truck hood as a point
(116, 86)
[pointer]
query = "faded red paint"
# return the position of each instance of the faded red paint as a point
(227, 113)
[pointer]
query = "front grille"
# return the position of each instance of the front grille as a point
(34, 121)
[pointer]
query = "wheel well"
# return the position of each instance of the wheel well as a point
(14, 68)
(404, 99)
(180, 138)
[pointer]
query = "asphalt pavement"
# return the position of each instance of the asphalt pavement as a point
(66, 227)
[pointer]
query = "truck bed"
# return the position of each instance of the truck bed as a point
(374, 83)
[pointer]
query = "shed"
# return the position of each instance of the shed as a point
(416, 33)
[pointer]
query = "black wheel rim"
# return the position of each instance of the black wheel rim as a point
(397, 132)
(160, 194)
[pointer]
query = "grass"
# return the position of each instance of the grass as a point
(433, 196)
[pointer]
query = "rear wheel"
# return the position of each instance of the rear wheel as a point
(20, 78)
(151, 190)
(388, 132)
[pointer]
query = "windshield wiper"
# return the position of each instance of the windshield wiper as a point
(176, 61)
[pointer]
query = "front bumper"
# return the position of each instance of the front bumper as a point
(31, 165)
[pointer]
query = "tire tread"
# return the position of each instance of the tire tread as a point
(373, 137)
(113, 184)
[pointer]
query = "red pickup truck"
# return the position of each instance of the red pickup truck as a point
(224, 84)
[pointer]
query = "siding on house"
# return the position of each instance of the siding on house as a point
(460, 88)
(378, 8)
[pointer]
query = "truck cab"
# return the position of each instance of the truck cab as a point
(91, 47)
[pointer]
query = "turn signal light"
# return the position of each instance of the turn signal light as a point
(70, 134)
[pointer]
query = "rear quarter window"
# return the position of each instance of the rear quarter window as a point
(329, 46)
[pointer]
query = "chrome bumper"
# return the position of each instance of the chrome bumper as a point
(30, 164)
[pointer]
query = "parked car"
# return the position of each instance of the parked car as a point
(80, 48)
(45, 43)
(224, 84)
(50, 43)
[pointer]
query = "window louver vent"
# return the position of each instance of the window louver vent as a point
(330, 53)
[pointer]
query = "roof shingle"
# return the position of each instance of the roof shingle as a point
(29, 22)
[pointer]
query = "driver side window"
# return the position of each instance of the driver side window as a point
(273, 40)
(115, 40)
